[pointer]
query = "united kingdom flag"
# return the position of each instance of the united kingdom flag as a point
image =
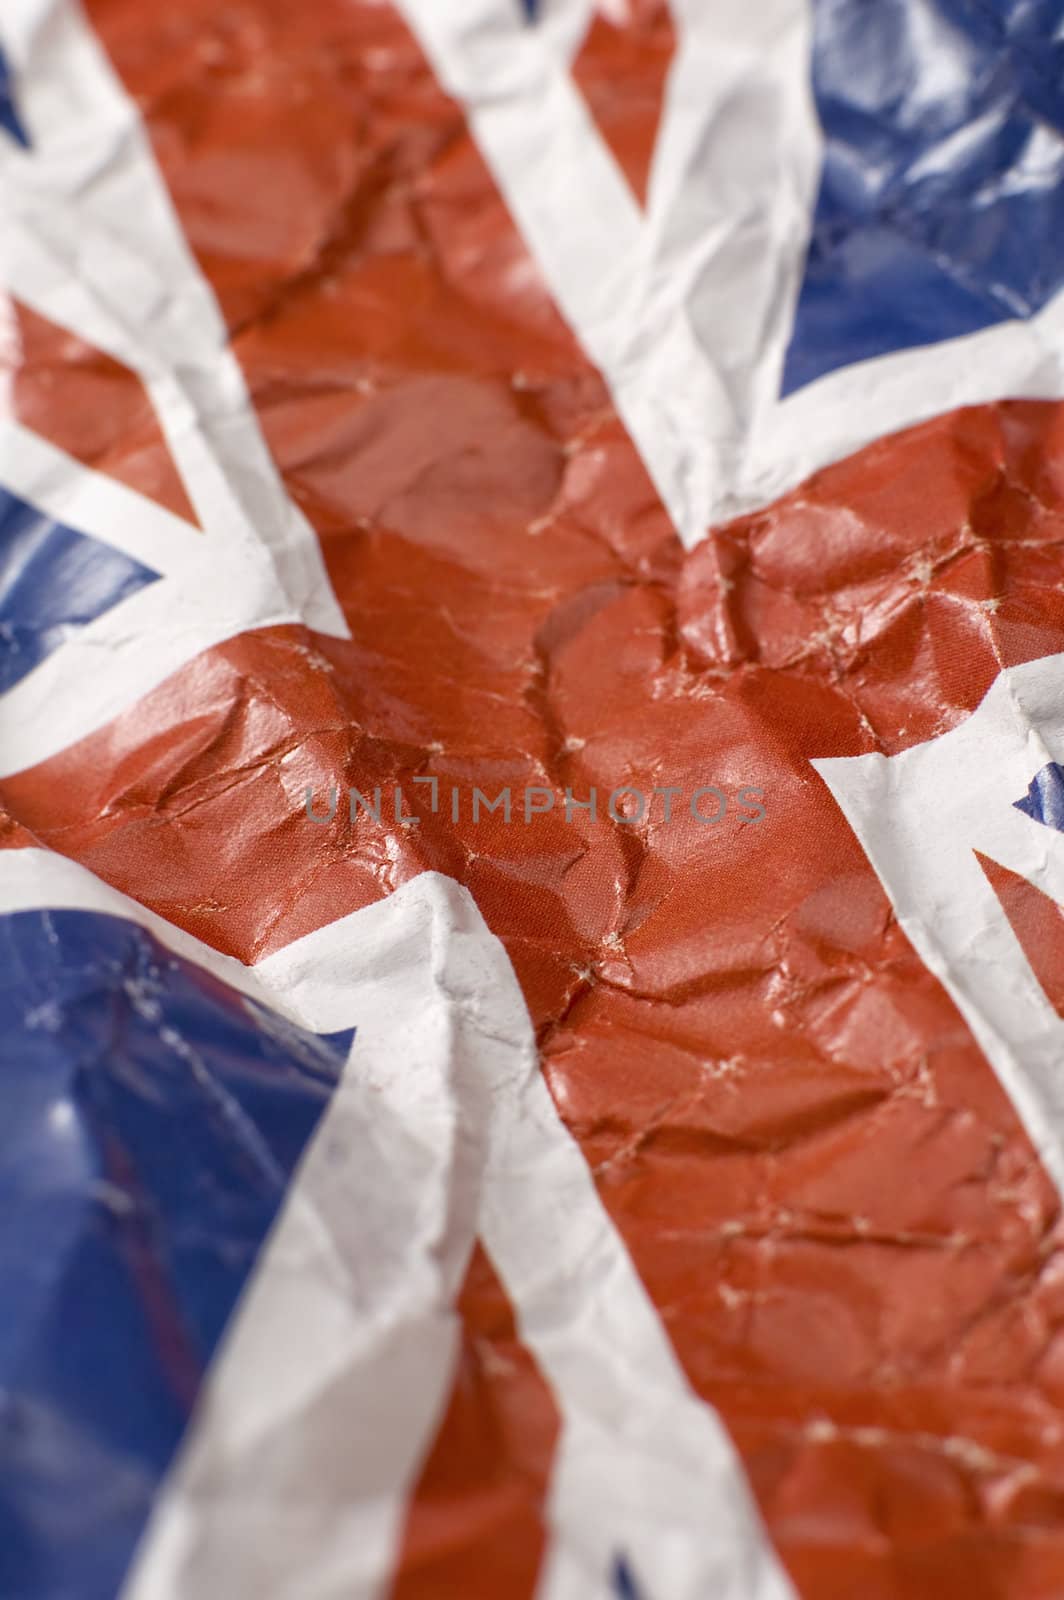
(410, 400)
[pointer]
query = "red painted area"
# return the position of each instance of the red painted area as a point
(89, 405)
(1038, 923)
(475, 1527)
(621, 69)
(832, 1204)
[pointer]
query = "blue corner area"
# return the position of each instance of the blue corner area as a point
(150, 1122)
(53, 582)
(1044, 800)
(941, 205)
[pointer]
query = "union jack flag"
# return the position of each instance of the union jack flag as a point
(587, 397)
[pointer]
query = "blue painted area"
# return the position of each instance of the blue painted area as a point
(152, 1119)
(10, 120)
(624, 1584)
(531, 9)
(53, 581)
(1044, 800)
(941, 206)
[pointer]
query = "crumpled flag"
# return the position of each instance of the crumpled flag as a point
(532, 768)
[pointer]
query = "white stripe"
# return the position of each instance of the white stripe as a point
(845, 410)
(920, 817)
(732, 187)
(91, 241)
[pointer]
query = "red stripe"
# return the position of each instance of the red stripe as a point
(1038, 923)
(621, 69)
(475, 1527)
(90, 406)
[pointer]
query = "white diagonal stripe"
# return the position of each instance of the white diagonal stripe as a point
(920, 816)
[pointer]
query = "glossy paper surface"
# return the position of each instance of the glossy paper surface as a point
(684, 1217)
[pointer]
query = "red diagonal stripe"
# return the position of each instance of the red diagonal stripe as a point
(90, 406)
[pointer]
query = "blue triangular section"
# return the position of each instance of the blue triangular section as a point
(10, 120)
(340, 1041)
(151, 1125)
(531, 8)
(624, 1584)
(53, 582)
(1044, 800)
